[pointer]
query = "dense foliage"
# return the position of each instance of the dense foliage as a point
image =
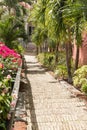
(9, 62)
(80, 78)
(58, 25)
(12, 37)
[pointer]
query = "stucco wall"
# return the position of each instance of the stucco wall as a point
(83, 50)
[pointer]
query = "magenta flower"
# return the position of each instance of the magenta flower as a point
(5, 51)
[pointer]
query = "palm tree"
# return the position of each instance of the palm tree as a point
(38, 19)
(65, 18)
(78, 37)
(61, 30)
(72, 23)
(37, 39)
(53, 27)
(76, 11)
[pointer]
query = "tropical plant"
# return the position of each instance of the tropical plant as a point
(84, 87)
(12, 6)
(38, 19)
(10, 30)
(37, 38)
(5, 98)
(66, 18)
(47, 60)
(61, 72)
(62, 31)
(74, 15)
(80, 78)
(9, 62)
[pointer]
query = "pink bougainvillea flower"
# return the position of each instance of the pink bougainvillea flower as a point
(13, 104)
(9, 77)
(6, 52)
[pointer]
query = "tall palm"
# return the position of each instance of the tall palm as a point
(76, 11)
(38, 18)
(54, 28)
(78, 37)
(61, 30)
(72, 20)
(37, 38)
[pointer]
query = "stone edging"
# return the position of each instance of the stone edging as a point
(75, 92)
(14, 95)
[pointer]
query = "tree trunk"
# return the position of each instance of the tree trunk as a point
(56, 53)
(68, 60)
(77, 58)
(40, 49)
(37, 50)
(45, 46)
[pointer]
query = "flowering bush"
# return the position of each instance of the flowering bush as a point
(9, 62)
(5, 98)
(6, 52)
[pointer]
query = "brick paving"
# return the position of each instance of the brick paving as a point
(19, 126)
(51, 106)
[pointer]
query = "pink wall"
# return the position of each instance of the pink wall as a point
(83, 50)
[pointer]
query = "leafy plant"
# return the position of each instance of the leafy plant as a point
(80, 78)
(5, 98)
(18, 47)
(47, 59)
(9, 62)
(61, 72)
(84, 88)
(10, 30)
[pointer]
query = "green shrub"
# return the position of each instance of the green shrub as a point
(62, 58)
(61, 72)
(47, 59)
(80, 78)
(17, 47)
(84, 88)
(41, 58)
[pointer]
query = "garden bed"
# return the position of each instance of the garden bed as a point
(10, 70)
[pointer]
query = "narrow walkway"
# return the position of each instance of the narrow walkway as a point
(51, 106)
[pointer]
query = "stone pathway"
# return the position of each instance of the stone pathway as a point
(50, 105)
